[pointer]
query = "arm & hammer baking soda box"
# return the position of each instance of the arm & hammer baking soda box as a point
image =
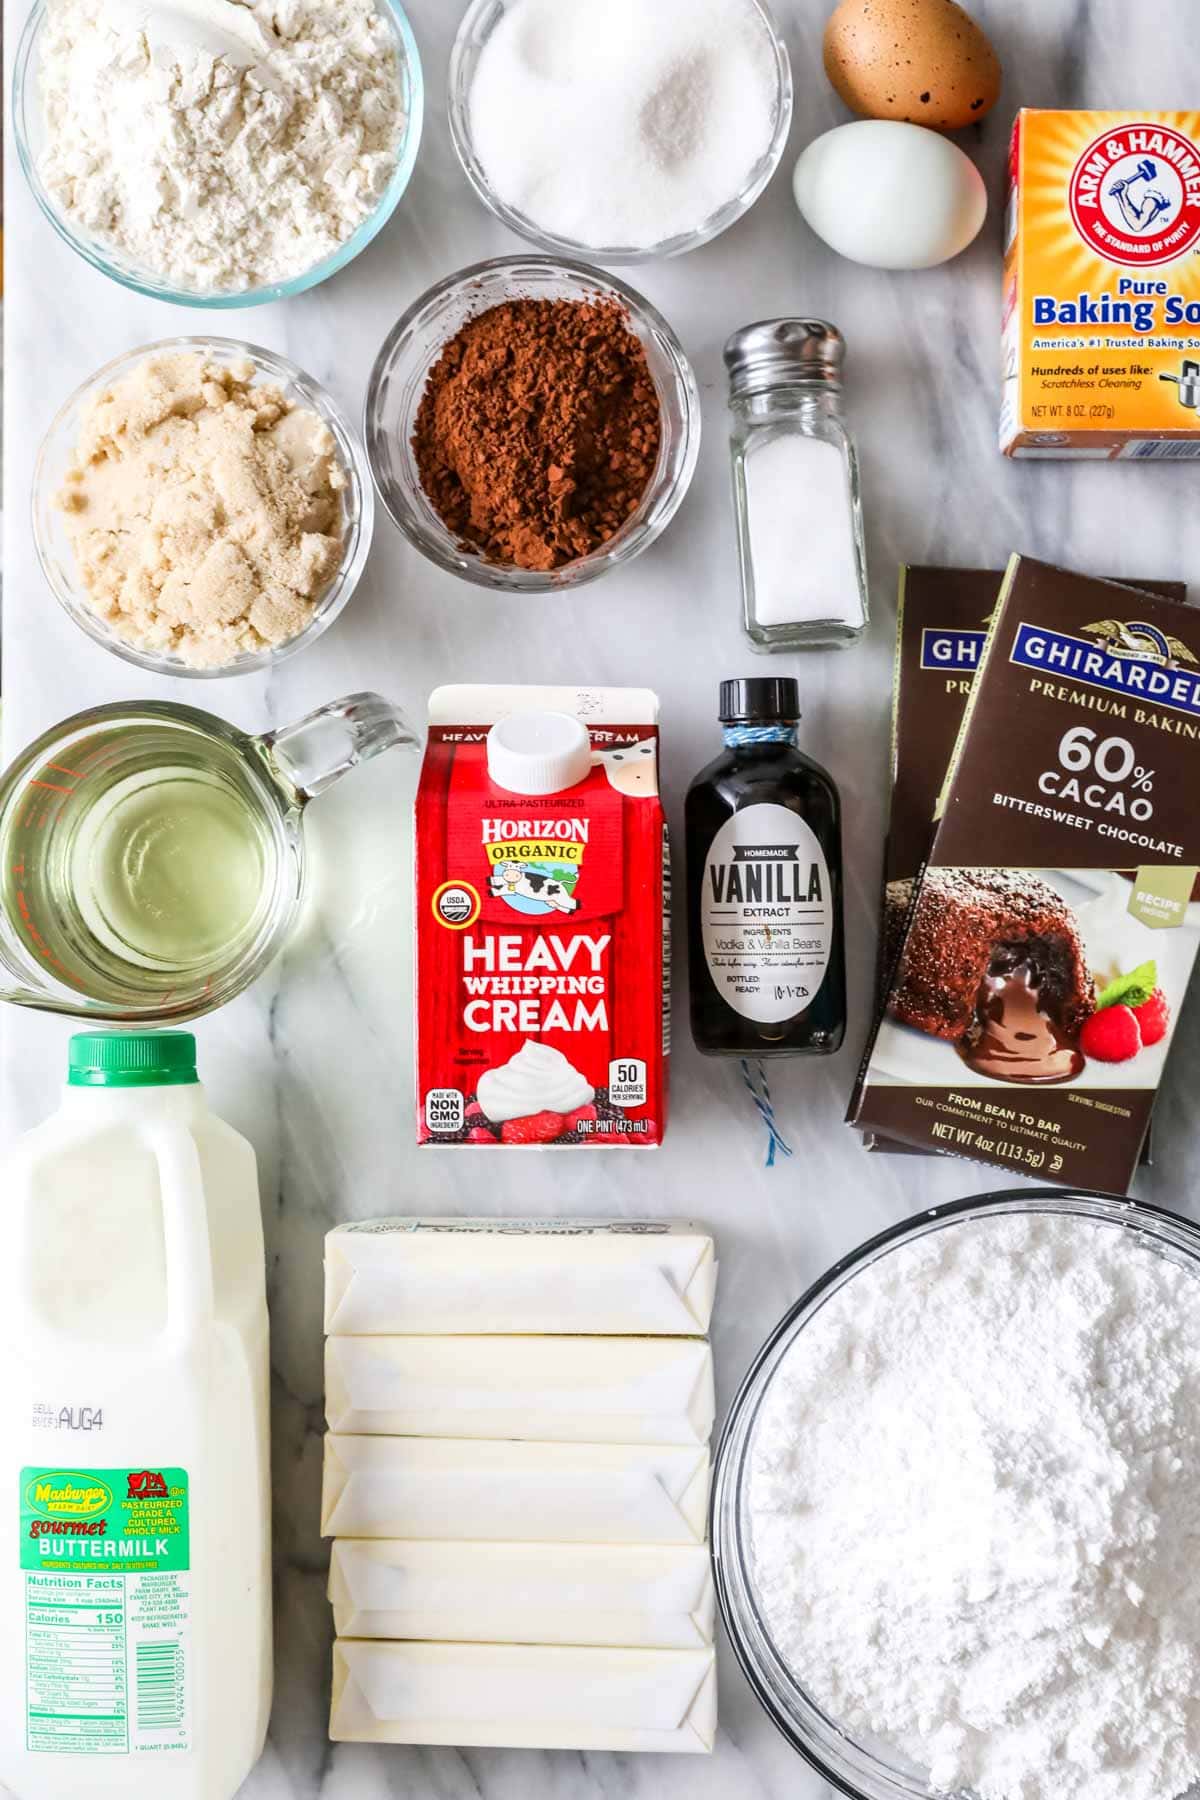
(1102, 286)
(542, 920)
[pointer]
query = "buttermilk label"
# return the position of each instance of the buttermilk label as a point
(766, 913)
(106, 1567)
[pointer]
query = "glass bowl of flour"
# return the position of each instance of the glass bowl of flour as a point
(212, 153)
(955, 1519)
(593, 133)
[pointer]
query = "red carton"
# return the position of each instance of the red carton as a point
(542, 979)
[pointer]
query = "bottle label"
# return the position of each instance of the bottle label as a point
(106, 1559)
(767, 913)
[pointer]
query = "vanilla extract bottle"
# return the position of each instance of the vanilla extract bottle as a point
(767, 956)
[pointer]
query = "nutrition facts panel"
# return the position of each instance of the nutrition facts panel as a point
(76, 1661)
(106, 1662)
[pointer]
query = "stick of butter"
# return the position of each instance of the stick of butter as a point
(452, 1276)
(524, 1696)
(377, 1487)
(582, 1390)
(637, 1596)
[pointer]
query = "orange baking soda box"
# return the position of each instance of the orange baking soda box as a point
(1102, 287)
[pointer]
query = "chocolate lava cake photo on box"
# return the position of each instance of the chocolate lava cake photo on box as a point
(1005, 971)
(994, 964)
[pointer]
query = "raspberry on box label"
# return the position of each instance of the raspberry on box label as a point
(1111, 1036)
(1153, 1017)
(541, 894)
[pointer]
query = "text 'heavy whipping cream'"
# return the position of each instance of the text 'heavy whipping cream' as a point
(542, 952)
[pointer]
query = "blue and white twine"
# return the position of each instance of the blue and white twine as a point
(755, 1077)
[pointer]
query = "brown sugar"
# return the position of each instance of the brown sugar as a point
(539, 430)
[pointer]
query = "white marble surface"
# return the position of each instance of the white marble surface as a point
(314, 1065)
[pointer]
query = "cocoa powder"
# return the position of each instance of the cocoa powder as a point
(539, 430)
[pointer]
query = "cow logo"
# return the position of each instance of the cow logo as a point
(1135, 195)
(1141, 642)
(534, 864)
(146, 1484)
(545, 885)
(68, 1494)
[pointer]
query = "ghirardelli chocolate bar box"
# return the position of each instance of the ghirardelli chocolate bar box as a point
(942, 620)
(1045, 949)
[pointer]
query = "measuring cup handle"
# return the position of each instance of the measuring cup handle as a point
(317, 750)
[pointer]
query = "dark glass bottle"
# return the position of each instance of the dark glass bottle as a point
(767, 951)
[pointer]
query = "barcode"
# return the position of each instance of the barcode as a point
(666, 945)
(159, 1687)
(1150, 452)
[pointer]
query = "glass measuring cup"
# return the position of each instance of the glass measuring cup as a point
(153, 855)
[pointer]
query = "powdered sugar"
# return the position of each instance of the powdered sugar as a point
(219, 146)
(608, 127)
(975, 1505)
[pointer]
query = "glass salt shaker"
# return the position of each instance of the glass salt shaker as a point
(795, 485)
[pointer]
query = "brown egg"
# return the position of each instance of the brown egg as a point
(925, 61)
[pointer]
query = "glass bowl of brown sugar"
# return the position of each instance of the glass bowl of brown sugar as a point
(531, 423)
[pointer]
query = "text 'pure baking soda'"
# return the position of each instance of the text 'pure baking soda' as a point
(135, 1567)
(542, 904)
(1102, 287)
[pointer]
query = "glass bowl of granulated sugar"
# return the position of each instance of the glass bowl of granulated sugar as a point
(619, 132)
(194, 151)
(954, 1515)
(201, 507)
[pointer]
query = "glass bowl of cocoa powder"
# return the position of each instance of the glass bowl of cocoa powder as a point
(531, 423)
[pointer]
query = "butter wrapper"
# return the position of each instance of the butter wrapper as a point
(631, 1596)
(538, 1389)
(376, 1487)
(471, 1276)
(523, 1696)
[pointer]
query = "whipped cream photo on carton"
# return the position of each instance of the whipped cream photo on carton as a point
(1102, 286)
(1045, 946)
(542, 956)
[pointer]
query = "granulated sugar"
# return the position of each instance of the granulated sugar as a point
(975, 1505)
(618, 125)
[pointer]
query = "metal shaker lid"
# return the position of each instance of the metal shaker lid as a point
(783, 352)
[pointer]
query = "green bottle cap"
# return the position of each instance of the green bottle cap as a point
(132, 1059)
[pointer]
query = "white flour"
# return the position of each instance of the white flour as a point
(219, 146)
(975, 1503)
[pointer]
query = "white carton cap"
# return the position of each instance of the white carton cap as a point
(538, 752)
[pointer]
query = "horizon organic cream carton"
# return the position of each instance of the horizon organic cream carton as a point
(1102, 286)
(542, 979)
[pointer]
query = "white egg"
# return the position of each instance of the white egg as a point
(891, 195)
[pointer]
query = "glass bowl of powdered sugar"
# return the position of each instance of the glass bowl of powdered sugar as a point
(954, 1508)
(619, 132)
(216, 153)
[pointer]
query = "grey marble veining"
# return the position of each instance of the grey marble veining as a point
(314, 1065)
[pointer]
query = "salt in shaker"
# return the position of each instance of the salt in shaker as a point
(796, 487)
